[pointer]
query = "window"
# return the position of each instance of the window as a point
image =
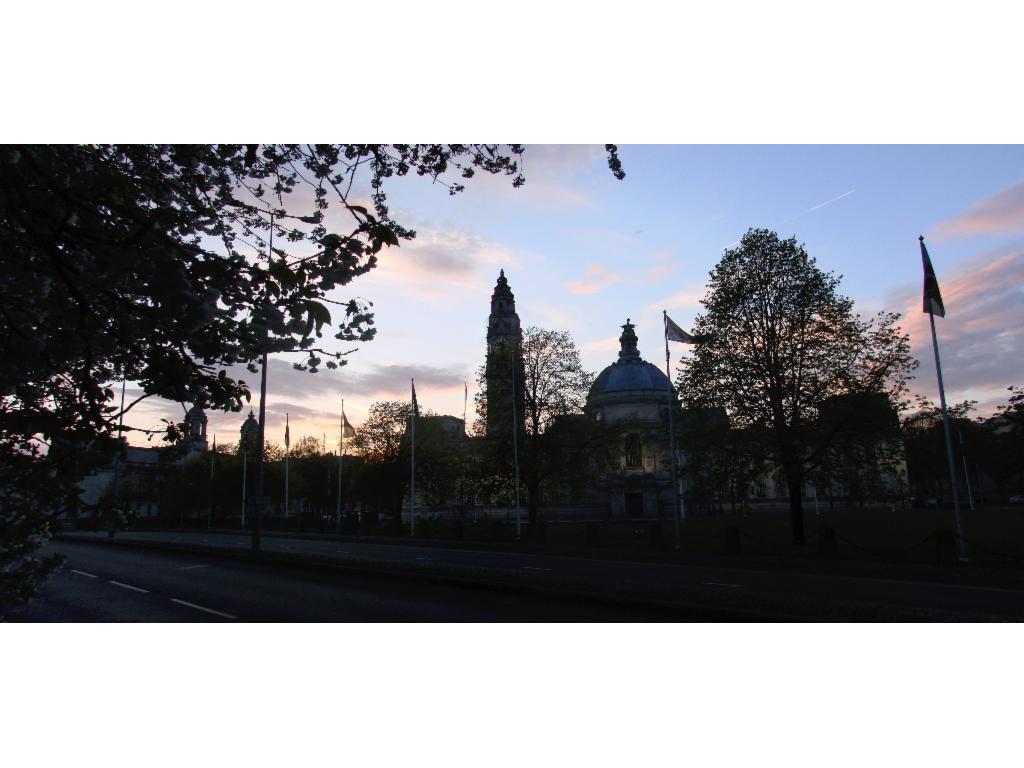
(634, 452)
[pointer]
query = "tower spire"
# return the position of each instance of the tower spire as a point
(628, 341)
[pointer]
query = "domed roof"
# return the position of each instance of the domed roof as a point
(630, 379)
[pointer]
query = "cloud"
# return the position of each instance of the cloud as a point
(437, 265)
(688, 298)
(607, 344)
(981, 339)
(557, 176)
(1002, 212)
(596, 278)
(661, 267)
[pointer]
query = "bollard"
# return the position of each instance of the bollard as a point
(827, 546)
(732, 539)
(945, 548)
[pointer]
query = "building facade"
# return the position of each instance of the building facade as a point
(632, 397)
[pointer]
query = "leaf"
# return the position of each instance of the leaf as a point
(386, 234)
(319, 314)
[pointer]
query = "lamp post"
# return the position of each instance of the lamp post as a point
(250, 431)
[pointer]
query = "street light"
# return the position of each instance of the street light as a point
(250, 438)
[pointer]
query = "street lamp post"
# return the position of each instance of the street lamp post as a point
(249, 431)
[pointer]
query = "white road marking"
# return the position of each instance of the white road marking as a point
(128, 586)
(83, 573)
(719, 584)
(191, 567)
(200, 608)
(423, 558)
(534, 568)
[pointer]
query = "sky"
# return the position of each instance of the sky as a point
(583, 252)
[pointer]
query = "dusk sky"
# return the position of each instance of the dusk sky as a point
(583, 251)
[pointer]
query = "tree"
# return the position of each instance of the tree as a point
(1003, 444)
(554, 386)
(305, 447)
(380, 437)
(154, 263)
(777, 342)
(380, 484)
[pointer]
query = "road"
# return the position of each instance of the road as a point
(381, 582)
(100, 583)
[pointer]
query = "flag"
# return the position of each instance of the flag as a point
(287, 438)
(415, 407)
(932, 298)
(347, 430)
(674, 333)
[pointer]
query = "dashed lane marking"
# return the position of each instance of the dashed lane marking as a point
(128, 586)
(201, 608)
(719, 584)
(83, 573)
(534, 568)
(191, 567)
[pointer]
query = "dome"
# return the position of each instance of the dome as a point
(630, 379)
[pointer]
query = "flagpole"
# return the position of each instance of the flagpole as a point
(949, 442)
(287, 440)
(245, 464)
(337, 502)
(933, 302)
(671, 430)
(515, 438)
(412, 465)
(213, 459)
(465, 402)
(967, 477)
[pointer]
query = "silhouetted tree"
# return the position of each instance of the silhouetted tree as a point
(778, 341)
(554, 385)
(153, 263)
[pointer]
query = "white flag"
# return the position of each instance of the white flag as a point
(674, 333)
(347, 430)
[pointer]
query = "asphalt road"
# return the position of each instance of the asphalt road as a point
(102, 584)
(380, 582)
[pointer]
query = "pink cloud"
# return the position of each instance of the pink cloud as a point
(596, 277)
(607, 344)
(1002, 212)
(688, 298)
(437, 265)
(661, 267)
(981, 339)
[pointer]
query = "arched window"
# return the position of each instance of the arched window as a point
(634, 452)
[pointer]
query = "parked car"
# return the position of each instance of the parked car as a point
(1018, 499)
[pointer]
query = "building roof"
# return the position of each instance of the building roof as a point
(630, 378)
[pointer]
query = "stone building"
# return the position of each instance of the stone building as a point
(142, 465)
(632, 397)
(504, 362)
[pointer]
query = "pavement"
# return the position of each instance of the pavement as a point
(195, 576)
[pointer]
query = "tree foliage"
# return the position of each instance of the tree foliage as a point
(554, 386)
(778, 342)
(164, 265)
